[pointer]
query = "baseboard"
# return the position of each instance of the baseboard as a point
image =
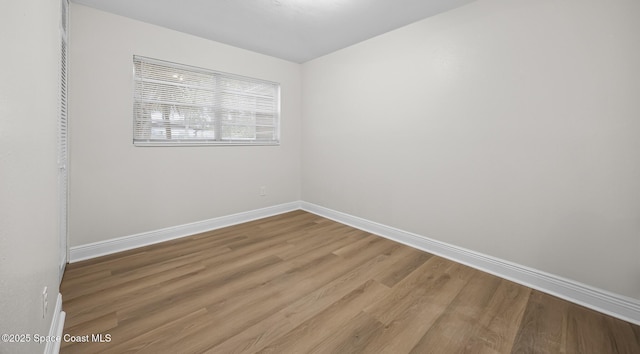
(93, 250)
(616, 305)
(55, 331)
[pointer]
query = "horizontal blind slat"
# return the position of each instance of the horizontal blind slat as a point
(176, 103)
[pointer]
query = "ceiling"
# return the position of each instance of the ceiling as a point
(294, 30)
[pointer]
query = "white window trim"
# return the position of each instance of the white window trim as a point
(272, 129)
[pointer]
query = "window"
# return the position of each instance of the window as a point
(183, 105)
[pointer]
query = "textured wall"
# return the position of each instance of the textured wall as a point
(28, 169)
(118, 189)
(509, 128)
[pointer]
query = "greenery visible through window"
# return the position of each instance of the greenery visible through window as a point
(176, 104)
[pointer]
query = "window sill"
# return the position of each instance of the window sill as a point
(205, 143)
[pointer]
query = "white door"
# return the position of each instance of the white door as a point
(63, 178)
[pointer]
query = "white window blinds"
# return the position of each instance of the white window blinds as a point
(177, 104)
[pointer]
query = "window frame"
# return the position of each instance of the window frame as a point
(217, 109)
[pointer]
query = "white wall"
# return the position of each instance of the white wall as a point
(28, 168)
(509, 128)
(117, 189)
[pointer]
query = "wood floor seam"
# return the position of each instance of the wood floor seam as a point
(300, 283)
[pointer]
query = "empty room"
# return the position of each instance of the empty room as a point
(320, 176)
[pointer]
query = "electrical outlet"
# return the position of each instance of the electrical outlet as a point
(45, 301)
(263, 191)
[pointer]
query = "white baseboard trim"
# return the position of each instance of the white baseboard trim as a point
(93, 250)
(616, 305)
(57, 325)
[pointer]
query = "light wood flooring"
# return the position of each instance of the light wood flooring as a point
(299, 283)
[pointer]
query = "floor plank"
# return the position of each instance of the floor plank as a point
(298, 283)
(312, 332)
(543, 326)
(459, 324)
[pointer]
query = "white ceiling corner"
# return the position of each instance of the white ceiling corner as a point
(294, 30)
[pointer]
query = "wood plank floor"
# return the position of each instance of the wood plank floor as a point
(299, 283)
